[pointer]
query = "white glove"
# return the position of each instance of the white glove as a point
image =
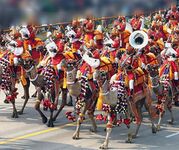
(15, 60)
(143, 66)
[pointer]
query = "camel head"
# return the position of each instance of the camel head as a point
(153, 70)
(27, 63)
(71, 70)
(101, 77)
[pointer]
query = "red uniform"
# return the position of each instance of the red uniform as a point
(136, 23)
(30, 45)
(134, 74)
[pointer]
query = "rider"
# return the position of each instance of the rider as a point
(134, 74)
(170, 67)
(136, 21)
(173, 16)
(147, 58)
(30, 43)
(88, 26)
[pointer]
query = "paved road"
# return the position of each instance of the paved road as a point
(28, 133)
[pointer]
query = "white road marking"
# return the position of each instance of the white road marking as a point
(31, 119)
(6, 108)
(171, 135)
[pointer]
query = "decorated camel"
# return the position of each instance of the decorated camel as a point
(116, 99)
(86, 94)
(162, 87)
(47, 80)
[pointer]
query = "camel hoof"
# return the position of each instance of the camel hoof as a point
(93, 130)
(20, 112)
(103, 146)
(134, 136)
(129, 138)
(128, 141)
(23, 97)
(15, 115)
(44, 120)
(75, 137)
(154, 130)
(34, 95)
(158, 127)
(50, 124)
(54, 119)
(170, 122)
(6, 101)
(45, 108)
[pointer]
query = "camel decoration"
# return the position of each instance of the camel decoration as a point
(8, 82)
(161, 86)
(86, 96)
(115, 103)
(11, 73)
(47, 83)
(115, 95)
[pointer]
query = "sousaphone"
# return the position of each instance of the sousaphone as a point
(138, 39)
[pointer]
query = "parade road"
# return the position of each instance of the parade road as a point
(28, 133)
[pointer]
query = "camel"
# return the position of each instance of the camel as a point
(47, 85)
(110, 94)
(8, 82)
(8, 61)
(86, 96)
(162, 87)
(114, 98)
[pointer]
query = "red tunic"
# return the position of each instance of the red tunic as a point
(57, 59)
(33, 42)
(135, 23)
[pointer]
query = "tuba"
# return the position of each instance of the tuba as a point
(138, 39)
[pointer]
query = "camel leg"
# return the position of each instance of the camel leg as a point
(50, 122)
(94, 126)
(139, 116)
(136, 111)
(171, 112)
(129, 114)
(34, 95)
(159, 121)
(79, 122)
(151, 112)
(64, 101)
(171, 115)
(53, 97)
(108, 132)
(91, 114)
(37, 106)
(14, 114)
(26, 95)
(56, 93)
(161, 114)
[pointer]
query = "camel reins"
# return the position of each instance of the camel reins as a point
(156, 77)
(29, 70)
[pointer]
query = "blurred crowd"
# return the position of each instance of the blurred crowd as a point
(14, 12)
